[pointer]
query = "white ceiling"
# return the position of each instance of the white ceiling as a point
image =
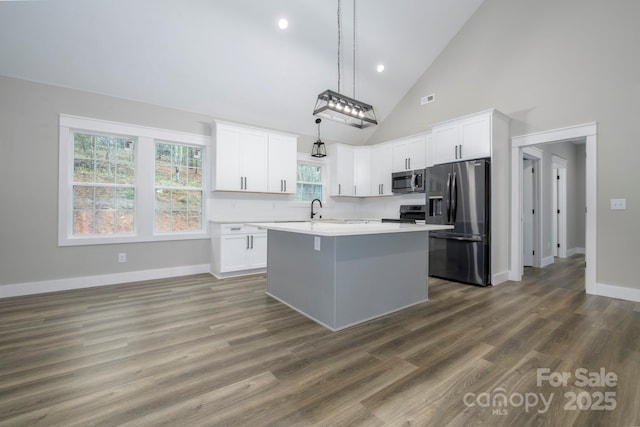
(227, 58)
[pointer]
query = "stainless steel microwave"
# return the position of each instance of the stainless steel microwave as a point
(408, 181)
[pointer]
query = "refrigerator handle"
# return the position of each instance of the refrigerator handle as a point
(454, 197)
(449, 198)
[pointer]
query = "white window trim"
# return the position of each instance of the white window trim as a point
(144, 184)
(320, 161)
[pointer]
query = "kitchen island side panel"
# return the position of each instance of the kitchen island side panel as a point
(379, 274)
(301, 276)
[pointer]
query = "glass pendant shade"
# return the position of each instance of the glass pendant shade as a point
(340, 108)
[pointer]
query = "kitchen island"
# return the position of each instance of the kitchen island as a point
(341, 274)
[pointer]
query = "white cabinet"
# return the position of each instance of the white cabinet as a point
(253, 160)
(362, 171)
(341, 170)
(237, 247)
(282, 164)
(381, 168)
(465, 138)
(410, 153)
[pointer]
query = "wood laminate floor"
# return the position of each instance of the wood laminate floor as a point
(199, 351)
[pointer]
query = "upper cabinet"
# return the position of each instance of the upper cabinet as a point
(282, 164)
(341, 169)
(410, 153)
(362, 171)
(381, 169)
(465, 138)
(253, 160)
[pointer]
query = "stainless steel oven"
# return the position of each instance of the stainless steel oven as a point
(408, 181)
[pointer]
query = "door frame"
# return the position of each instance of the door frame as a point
(589, 131)
(559, 200)
(535, 154)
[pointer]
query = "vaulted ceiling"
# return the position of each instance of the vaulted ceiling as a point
(228, 58)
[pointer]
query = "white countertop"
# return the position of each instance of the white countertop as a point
(332, 229)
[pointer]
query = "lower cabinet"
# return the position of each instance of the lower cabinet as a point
(237, 248)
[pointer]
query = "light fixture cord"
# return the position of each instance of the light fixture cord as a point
(354, 49)
(339, 44)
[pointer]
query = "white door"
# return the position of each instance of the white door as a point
(559, 213)
(445, 140)
(400, 157)
(528, 212)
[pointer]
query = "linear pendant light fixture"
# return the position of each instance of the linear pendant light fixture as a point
(340, 108)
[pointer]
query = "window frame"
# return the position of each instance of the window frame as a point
(144, 184)
(324, 167)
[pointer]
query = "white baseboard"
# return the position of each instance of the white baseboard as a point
(498, 278)
(574, 251)
(619, 292)
(30, 288)
(547, 261)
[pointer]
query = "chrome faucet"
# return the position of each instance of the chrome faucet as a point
(313, 214)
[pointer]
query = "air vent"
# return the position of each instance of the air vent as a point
(427, 99)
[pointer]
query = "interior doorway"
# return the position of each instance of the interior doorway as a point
(531, 207)
(586, 132)
(559, 207)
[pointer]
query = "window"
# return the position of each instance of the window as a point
(178, 188)
(103, 184)
(310, 181)
(125, 183)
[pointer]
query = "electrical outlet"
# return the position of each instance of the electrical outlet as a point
(316, 243)
(618, 204)
(122, 257)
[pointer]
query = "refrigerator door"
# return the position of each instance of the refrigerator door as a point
(470, 197)
(438, 187)
(460, 259)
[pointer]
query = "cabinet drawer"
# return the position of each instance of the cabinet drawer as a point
(240, 229)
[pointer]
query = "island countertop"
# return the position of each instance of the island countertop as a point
(347, 228)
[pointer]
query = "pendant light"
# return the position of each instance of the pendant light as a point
(340, 108)
(318, 149)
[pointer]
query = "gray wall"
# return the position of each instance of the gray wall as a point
(550, 64)
(29, 249)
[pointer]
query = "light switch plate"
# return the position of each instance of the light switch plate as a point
(618, 204)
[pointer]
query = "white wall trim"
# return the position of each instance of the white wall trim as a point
(547, 261)
(500, 278)
(589, 132)
(574, 251)
(30, 288)
(619, 292)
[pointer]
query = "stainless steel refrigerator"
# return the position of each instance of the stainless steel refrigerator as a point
(459, 194)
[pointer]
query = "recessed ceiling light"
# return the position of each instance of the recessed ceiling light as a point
(283, 24)
(380, 68)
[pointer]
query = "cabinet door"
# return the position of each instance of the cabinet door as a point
(475, 138)
(400, 156)
(417, 152)
(381, 169)
(254, 152)
(362, 171)
(227, 159)
(282, 165)
(446, 139)
(233, 252)
(257, 253)
(341, 169)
